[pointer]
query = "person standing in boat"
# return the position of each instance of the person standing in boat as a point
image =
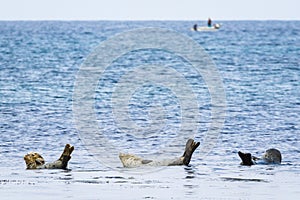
(195, 27)
(209, 22)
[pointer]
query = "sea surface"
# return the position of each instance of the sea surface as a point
(258, 63)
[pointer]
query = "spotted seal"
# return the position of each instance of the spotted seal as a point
(271, 156)
(36, 161)
(130, 160)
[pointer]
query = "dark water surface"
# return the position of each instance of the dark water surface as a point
(259, 64)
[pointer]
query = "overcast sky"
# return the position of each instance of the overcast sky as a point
(149, 9)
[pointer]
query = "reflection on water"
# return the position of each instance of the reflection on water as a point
(243, 179)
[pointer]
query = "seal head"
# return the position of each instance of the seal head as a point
(272, 156)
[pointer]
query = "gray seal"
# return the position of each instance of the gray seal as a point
(271, 156)
(131, 160)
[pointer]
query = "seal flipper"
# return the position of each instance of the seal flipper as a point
(146, 161)
(63, 160)
(246, 158)
(190, 147)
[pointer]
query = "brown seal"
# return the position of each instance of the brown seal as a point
(36, 161)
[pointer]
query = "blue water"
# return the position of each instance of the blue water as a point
(258, 62)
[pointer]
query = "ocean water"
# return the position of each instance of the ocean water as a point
(258, 63)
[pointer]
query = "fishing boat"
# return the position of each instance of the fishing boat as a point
(215, 27)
